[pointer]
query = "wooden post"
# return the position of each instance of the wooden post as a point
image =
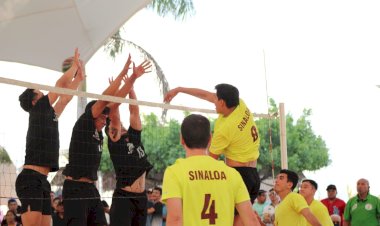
(284, 151)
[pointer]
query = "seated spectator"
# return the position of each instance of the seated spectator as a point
(10, 219)
(58, 216)
(269, 210)
(260, 203)
(12, 206)
(157, 205)
(54, 204)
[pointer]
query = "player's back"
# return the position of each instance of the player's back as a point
(208, 188)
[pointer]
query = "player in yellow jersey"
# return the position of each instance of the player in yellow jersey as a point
(200, 190)
(308, 189)
(235, 133)
(292, 209)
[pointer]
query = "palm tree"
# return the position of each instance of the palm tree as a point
(4, 157)
(180, 9)
(118, 42)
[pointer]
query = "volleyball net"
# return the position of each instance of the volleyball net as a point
(160, 138)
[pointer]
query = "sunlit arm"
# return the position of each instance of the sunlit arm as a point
(200, 93)
(309, 216)
(175, 216)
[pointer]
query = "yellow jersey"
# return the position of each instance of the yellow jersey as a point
(288, 212)
(209, 190)
(236, 136)
(321, 213)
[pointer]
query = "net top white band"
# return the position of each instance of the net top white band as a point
(111, 98)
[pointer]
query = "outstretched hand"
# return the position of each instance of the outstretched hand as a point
(142, 68)
(80, 72)
(127, 65)
(79, 63)
(170, 95)
(76, 57)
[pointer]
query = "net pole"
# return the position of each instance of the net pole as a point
(284, 152)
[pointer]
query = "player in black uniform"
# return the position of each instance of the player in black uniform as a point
(129, 201)
(130, 161)
(42, 145)
(82, 202)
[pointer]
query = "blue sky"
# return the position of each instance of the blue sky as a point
(321, 55)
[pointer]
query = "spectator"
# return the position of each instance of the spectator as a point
(157, 205)
(54, 204)
(12, 206)
(334, 205)
(268, 212)
(362, 209)
(10, 219)
(58, 217)
(260, 203)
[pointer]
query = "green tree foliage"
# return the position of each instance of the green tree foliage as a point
(105, 162)
(179, 9)
(4, 157)
(161, 142)
(306, 151)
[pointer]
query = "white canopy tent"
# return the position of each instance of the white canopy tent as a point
(45, 32)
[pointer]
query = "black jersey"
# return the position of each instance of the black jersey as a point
(42, 139)
(129, 158)
(85, 148)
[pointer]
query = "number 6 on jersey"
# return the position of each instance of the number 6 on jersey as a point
(208, 211)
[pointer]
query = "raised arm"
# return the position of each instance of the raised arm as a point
(200, 93)
(129, 81)
(66, 78)
(134, 117)
(112, 90)
(309, 216)
(64, 99)
(115, 124)
(114, 129)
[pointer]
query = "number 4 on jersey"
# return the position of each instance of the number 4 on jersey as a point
(208, 211)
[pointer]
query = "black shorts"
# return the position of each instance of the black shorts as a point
(128, 208)
(33, 190)
(82, 205)
(251, 180)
